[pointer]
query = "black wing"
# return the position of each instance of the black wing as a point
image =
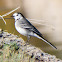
(30, 27)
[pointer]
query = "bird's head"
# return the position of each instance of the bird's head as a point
(17, 16)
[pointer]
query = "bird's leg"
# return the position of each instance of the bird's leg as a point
(26, 44)
(28, 38)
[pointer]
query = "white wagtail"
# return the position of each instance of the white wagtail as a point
(24, 27)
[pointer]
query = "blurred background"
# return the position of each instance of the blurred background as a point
(47, 18)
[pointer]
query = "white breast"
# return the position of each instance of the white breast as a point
(21, 30)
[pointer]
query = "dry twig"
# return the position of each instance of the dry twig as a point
(8, 14)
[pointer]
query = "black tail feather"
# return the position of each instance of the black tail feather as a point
(48, 42)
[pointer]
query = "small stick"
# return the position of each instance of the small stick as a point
(8, 14)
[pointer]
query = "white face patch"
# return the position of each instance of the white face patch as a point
(17, 16)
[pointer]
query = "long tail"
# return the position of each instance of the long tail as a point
(42, 38)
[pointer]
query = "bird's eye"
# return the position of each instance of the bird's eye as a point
(17, 15)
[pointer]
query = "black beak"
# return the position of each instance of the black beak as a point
(12, 16)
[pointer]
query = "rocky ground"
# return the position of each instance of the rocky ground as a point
(15, 49)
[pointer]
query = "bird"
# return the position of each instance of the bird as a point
(24, 27)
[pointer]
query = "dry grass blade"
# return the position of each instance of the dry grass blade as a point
(8, 14)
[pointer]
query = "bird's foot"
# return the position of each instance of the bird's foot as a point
(26, 43)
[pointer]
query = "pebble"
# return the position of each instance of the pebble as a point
(1, 35)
